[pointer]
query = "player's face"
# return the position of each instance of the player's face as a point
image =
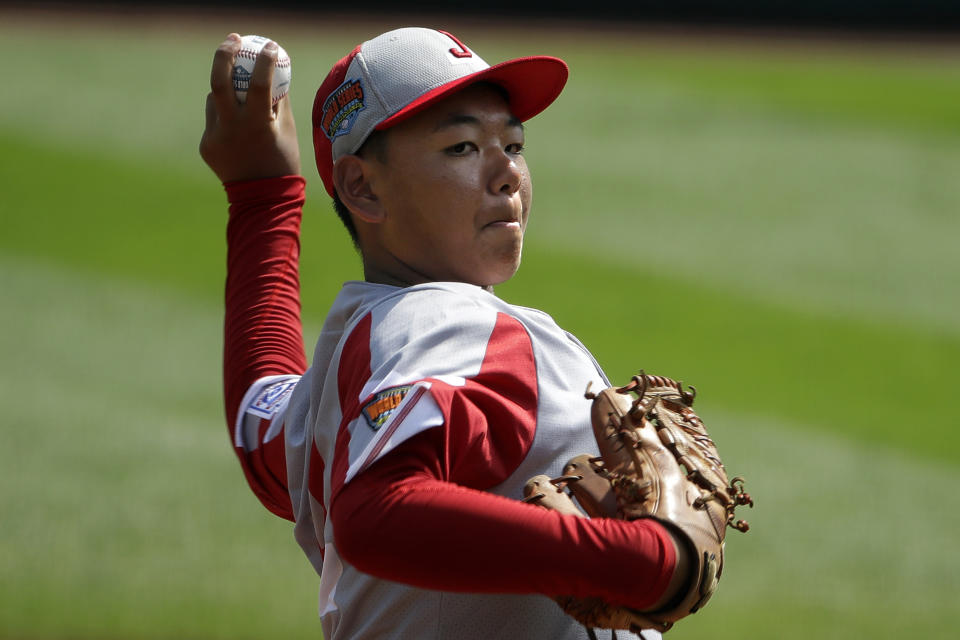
(455, 191)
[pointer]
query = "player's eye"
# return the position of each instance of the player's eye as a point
(461, 148)
(518, 147)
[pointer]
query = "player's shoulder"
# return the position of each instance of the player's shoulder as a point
(441, 310)
(436, 311)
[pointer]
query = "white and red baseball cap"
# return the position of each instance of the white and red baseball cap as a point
(387, 79)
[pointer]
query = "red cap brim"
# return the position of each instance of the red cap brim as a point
(532, 83)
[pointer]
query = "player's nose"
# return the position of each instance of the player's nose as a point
(507, 175)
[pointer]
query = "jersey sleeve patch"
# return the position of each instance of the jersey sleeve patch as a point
(264, 403)
(271, 398)
(415, 413)
(382, 405)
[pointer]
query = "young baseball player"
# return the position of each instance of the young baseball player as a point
(401, 452)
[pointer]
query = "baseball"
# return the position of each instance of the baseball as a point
(250, 46)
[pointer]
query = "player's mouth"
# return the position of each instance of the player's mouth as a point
(505, 224)
(505, 219)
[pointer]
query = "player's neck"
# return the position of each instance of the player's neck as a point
(400, 275)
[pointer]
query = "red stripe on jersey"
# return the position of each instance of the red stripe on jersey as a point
(489, 422)
(353, 373)
(492, 419)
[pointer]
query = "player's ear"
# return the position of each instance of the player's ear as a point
(351, 178)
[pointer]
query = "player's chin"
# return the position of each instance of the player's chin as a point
(501, 266)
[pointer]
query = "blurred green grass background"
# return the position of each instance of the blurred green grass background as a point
(795, 208)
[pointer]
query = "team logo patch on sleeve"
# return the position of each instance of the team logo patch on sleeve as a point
(382, 405)
(341, 109)
(270, 398)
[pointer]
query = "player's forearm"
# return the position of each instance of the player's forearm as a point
(398, 521)
(262, 329)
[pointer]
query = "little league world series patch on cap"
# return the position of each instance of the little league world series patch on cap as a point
(399, 73)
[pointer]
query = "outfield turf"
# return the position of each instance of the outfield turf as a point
(796, 209)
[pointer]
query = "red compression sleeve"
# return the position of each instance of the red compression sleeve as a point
(398, 520)
(262, 330)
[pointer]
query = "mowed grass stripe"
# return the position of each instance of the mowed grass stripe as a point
(909, 86)
(132, 520)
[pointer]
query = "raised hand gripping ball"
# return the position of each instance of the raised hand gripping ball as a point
(250, 46)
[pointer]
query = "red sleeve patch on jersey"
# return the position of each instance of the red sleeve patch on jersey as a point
(492, 419)
(353, 373)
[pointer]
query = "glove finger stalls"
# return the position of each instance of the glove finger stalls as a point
(613, 430)
(592, 489)
(547, 493)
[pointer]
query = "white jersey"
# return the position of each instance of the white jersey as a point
(389, 364)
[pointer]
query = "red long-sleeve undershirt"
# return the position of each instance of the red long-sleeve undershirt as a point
(398, 521)
(441, 535)
(262, 330)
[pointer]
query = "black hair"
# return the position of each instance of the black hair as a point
(344, 214)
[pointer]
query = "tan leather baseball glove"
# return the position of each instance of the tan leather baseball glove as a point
(656, 461)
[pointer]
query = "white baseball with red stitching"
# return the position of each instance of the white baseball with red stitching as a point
(250, 46)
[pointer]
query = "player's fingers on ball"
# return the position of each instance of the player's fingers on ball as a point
(221, 74)
(223, 58)
(261, 81)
